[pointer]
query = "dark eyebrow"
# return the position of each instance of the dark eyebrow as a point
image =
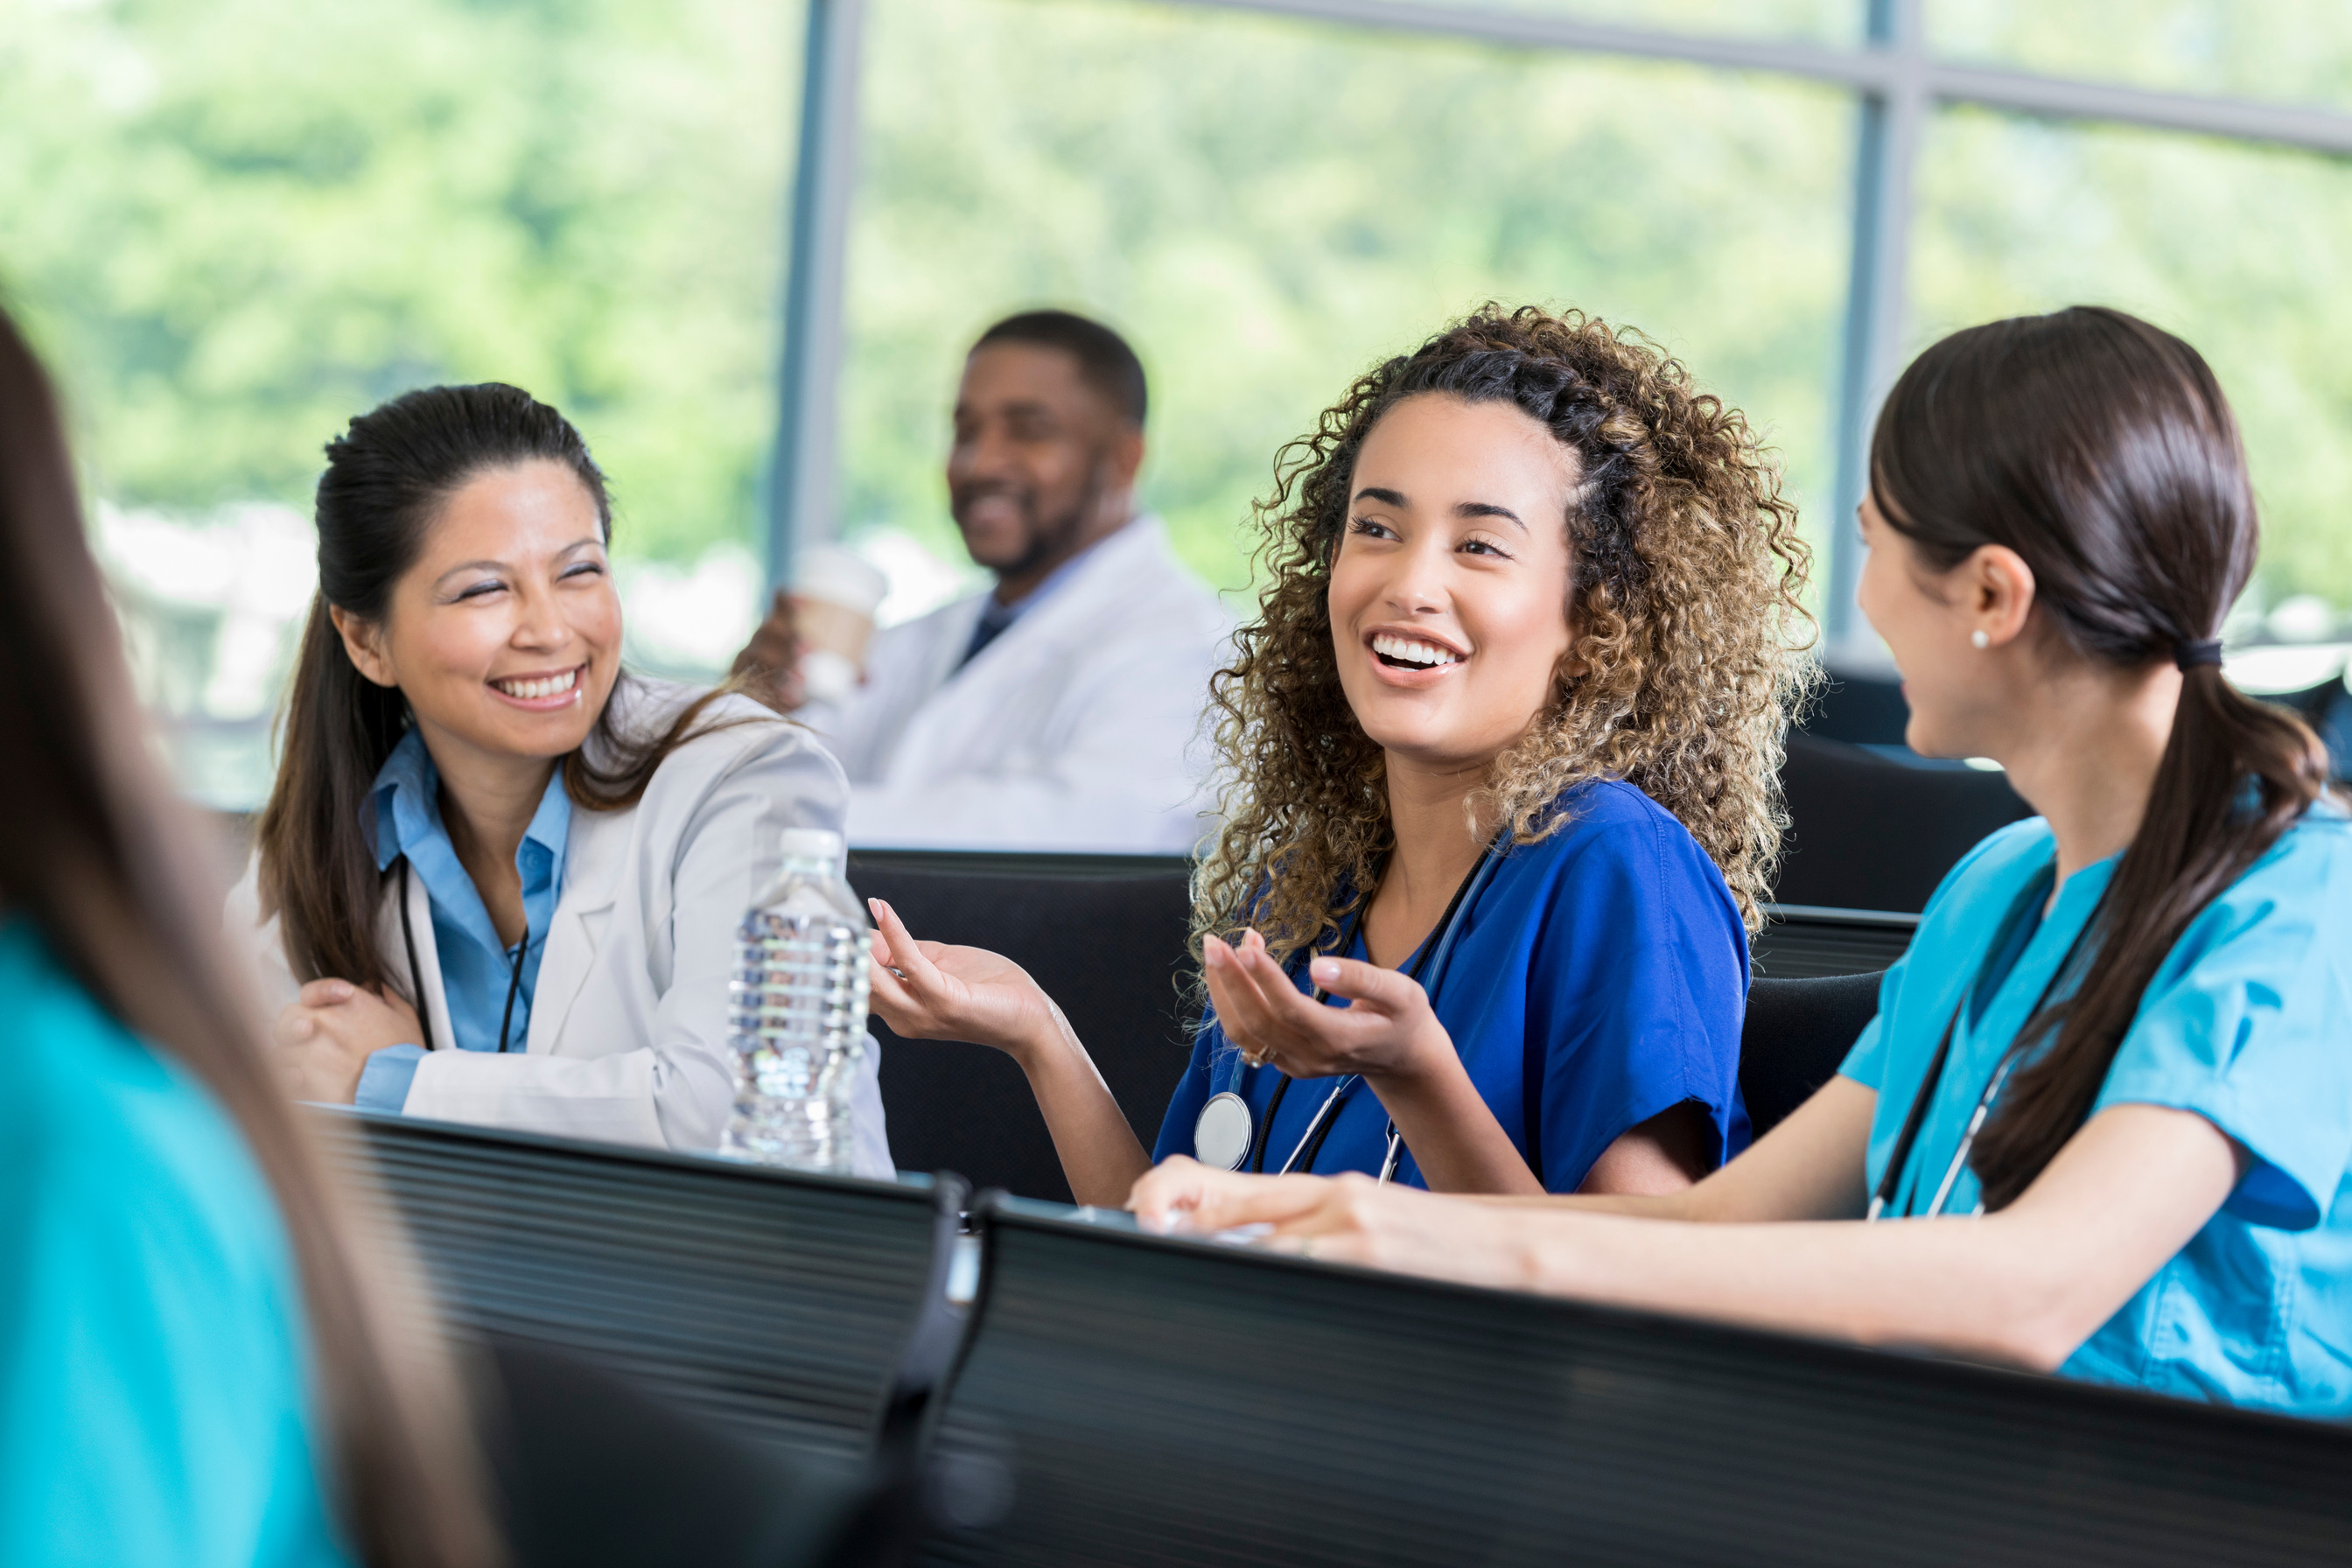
(1017, 408)
(1484, 509)
(1386, 497)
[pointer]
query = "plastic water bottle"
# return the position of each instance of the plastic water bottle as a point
(797, 1012)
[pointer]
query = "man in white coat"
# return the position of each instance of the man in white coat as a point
(1057, 710)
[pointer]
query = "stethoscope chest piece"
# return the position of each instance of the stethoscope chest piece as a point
(1221, 1136)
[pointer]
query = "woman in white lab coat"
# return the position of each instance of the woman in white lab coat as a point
(498, 879)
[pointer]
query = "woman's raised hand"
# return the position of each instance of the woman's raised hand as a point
(1387, 1031)
(929, 991)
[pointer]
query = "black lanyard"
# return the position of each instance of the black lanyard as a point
(1893, 1176)
(417, 983)
(1328, 1116)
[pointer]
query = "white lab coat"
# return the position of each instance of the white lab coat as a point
(1075, 729)
(628, 1023)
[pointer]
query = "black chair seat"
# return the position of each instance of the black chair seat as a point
(1107, 942)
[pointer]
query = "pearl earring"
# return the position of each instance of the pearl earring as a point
(1980, 639)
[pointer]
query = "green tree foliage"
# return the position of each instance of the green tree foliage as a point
(235, 224)
(1268, 208)
(2242, 249)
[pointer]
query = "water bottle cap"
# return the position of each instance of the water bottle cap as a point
(811, 844)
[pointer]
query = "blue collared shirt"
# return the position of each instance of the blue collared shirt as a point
(478, 970)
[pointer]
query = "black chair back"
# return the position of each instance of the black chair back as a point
(1799, 941)
(592, 1472)
(781, 1304)
(1867, 832)
(1170, 1403)
(1104, 935)
(1795, 1035)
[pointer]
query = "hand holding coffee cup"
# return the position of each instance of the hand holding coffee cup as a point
(812, 646)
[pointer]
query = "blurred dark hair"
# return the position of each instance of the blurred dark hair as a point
(387, 478)
(96, 853)
(2100, 448)
(1105, 361)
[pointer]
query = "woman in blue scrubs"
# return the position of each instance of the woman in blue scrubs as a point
(2107, 1094)
(1499, 755)
(191, 1372)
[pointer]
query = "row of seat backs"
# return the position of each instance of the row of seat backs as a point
(1147, 1401)
(1107, 940)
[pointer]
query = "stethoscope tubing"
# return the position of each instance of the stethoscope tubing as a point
(1916, 1118)
(416, 976)
(1431, 961)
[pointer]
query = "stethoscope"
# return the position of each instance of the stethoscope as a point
(1917, 1115)
(1228, 1136)
(417, 983)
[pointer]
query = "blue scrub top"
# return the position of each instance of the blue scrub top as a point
(155, 1402)
(2243, 1024)
(1598, 979)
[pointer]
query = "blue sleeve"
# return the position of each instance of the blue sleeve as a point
(1191, 1093)
(383, 1082)
(2243, 1025)
(1866, 1062)
(1639, 984)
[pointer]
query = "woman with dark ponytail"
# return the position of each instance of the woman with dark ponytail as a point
(2119, 1035)
(498, 879)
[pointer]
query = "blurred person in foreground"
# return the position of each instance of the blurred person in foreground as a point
(197, 1365)
(1055, 710)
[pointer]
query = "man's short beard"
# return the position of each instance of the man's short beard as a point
(1059, 536)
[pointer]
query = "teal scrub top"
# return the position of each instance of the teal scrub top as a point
(154, 1398)
(2244, 1024)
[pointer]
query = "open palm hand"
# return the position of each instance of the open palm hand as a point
(932, 991)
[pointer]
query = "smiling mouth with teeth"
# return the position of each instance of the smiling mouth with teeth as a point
(546, 686)
(1404, 653)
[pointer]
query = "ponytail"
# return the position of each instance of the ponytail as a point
(2101, 451)
(2236, 773)
(317, 864)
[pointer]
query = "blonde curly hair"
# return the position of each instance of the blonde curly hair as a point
(1686, 605)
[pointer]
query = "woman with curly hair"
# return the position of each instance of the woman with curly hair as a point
(2106, 1095)
(1498, 756)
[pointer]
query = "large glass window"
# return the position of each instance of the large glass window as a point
(1270, 207)
(232, 226)
(2291, 50)
(2241, 250)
